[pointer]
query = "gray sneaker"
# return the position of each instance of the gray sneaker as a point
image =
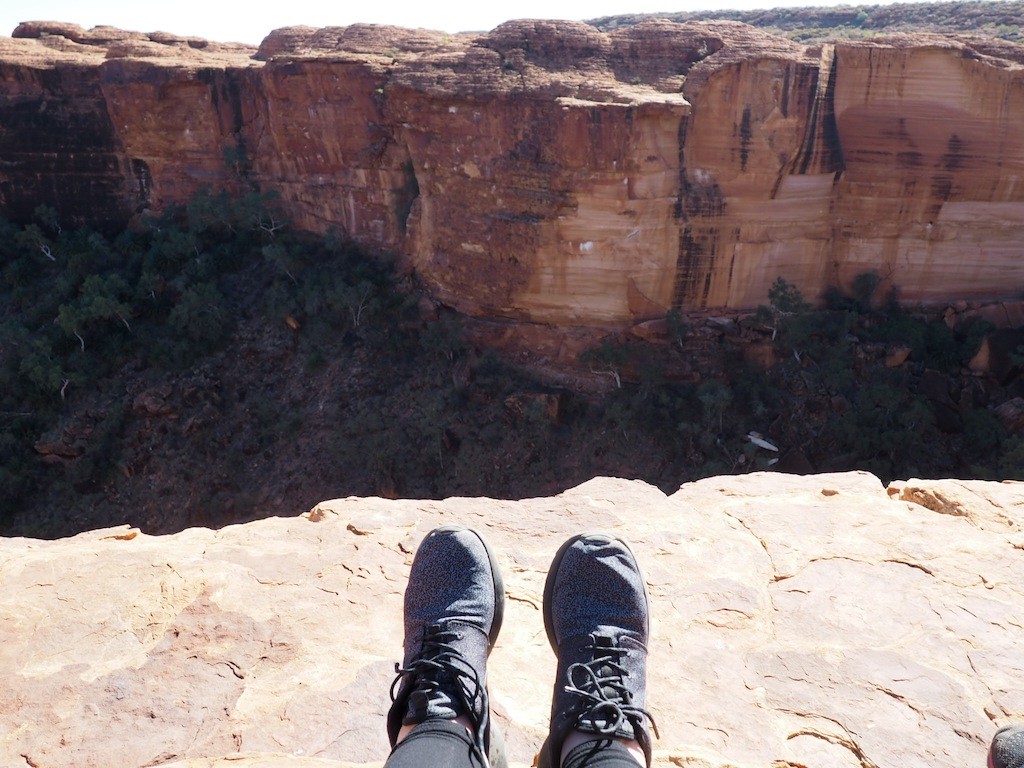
(1007, 750)
(454, 604)
(596, 617)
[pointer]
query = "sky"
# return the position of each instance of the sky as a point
(250, 22)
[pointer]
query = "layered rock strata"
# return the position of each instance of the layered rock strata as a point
(812, 621)
(547, 171)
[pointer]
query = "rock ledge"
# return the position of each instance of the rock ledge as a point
(811, 621)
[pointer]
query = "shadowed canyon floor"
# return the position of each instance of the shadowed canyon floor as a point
(814, 621)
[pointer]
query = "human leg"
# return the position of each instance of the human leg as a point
(597, 620)
(454, 605)
(435, 744)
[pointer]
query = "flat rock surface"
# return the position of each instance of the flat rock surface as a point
(797, 621)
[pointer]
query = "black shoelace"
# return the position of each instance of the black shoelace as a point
(600, 683)
(440, 670)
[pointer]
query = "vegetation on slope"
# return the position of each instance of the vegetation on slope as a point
(213, 366)
(1003, 19)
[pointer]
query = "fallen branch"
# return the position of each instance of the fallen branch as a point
(610, 372)
(270, 226)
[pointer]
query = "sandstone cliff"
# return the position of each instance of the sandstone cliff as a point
(816, 621)
(547, 171)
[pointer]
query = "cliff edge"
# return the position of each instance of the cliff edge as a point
(814, 621)
(547, 171)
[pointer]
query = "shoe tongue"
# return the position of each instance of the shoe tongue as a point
(601, 643)
(430, 704)
(605, 672)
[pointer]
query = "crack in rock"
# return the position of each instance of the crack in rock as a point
(901, 699)
(916, 566)
(839, 741)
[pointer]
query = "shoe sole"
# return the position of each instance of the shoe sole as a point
(549, 584)
(499, 582)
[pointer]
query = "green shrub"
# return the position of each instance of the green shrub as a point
(201, 315)
(444, 339)
(1011, 458)
(983, 434)
(864, 286)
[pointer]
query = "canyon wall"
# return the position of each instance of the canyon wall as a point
(546, 171)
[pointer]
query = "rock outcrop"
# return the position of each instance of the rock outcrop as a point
(547, 171)
(815, 621)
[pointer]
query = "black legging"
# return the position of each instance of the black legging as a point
(443, 744)
(435, 744)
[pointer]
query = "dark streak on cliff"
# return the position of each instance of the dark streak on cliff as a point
(58, 146)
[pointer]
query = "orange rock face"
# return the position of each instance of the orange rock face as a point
(547, 171)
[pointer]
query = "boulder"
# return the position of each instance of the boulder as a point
(1011, 414)
(1000, 355)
